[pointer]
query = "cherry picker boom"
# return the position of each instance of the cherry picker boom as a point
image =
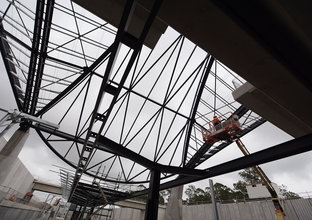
(279, 211)
(227, 129)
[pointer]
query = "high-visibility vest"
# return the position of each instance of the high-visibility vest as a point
(215, 121)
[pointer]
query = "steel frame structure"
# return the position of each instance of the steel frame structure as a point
(122, 67)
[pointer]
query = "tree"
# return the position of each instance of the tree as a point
(163, 196)
(222, 192)
(142, 197)
(195, 195)
(288, 194)
(240, 190)
(249, 175)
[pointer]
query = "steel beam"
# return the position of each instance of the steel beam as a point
(10, 68)
(75, 83)
(34, 54)
(124, 152)
(199, 92)
(286, 149)
(42, 55)
(125, 19)
(151, 211)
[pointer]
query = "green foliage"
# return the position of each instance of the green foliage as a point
(163, 196)
(240, 190)
(222, 192)
(197, 194)
(288, 194)
(249, 175)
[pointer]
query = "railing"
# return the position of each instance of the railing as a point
(7, 192)
(222, 125)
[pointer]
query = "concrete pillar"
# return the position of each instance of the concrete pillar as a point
(142, 214)
(9, 153)
(213, 200)
(174, 206)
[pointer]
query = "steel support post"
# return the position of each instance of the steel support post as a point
(151, 211)
(213, 200)
(76, 213)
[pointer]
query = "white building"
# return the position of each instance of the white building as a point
(259, 190)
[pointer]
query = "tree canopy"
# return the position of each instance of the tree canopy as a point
(197, 194)
(239, 191)
(249, 175)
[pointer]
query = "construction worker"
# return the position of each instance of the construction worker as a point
(28, 197)
(12, 198)
(215, 121)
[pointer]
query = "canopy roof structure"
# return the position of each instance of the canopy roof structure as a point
(130, 93)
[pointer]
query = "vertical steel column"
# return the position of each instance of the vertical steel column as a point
(151, 211)
(213, 200)
(76, 213)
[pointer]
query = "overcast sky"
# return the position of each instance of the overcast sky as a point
(294, 172)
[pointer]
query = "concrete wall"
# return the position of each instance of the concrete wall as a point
(19, 178)
(296, 209)
(259, 190)
(133, 214)
(11, 211)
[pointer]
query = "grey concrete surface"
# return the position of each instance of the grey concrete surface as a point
(13, 173)
(134, 204)
(271, 110)
(111, 12)
(174, 206)
(296, 209)
(262, 54)
(46, 187)
(13, 211)
(133, 214)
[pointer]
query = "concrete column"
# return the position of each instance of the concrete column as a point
(142, 214)
(174, 206)
(10, 152)
(213, 200)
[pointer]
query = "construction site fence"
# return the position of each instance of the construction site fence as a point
(295, 209)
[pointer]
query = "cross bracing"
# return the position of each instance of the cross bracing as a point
(119, 104)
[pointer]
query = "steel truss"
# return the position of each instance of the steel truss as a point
(133, 111)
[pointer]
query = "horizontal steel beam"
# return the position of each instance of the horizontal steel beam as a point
(68, 137)
(286, 149)
(124, 152)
